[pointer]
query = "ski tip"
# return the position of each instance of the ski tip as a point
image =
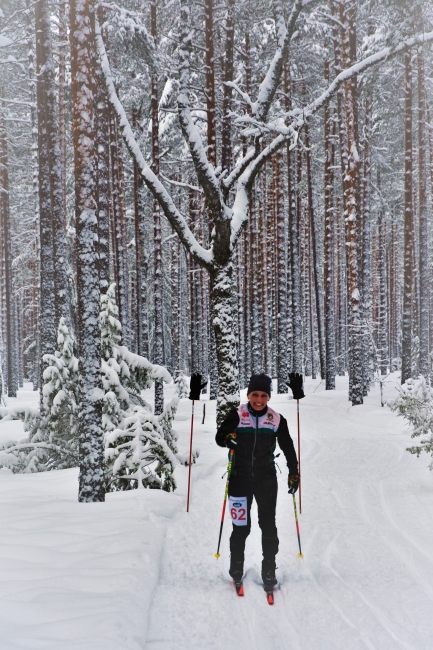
(217, 555)
(240, 591)
(270, 598)
(300, 555)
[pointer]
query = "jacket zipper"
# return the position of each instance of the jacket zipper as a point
(254, 447)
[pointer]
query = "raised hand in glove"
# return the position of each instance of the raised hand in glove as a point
(295, 384)
(195, 386)
(231, 441)
(293, 483)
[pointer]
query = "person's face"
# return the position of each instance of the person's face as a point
(258, 399)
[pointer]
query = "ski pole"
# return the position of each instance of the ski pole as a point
(297, 526)
(190, 457)
(299, 456)
(229, 471)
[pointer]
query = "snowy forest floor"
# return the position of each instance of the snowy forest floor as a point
(139, 572)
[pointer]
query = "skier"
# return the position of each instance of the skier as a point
(252, 431)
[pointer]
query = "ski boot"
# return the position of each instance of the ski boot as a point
(236, 571)
(269, 579)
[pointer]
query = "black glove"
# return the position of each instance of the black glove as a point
(195, 386)
(295, 384)
(231, 441)
(293, 482)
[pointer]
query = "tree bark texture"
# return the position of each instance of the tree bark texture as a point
(366, 248)
(351, 217)
(9, 313)
(328, 266)
(226, 349)
(406, 340)
(92, 463)
(48, 97)
(158, 288)
(424, 289)
(47, 304)
(102, 147)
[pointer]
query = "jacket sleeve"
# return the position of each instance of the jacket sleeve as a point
(228, 426)
(286, 445)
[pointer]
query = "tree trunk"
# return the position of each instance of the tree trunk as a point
(406, 342)
(102, 148)
(5, 229)
(139, 248)
(382, 284)
(351, 217)
(315, 267)
(295, 275)
(158, 290)
(49, 100)
(328, 275)
(281, 297)
(223, 322)
(226, 122)
(47, 310)
(366, 247)
(424, 289)
(92, 464)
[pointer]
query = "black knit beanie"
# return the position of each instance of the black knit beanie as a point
(260, 382)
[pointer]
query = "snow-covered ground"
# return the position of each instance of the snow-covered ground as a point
(139, 572)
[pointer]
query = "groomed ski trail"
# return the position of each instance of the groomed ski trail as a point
(366, 580)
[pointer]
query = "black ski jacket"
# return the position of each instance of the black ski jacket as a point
(255, 448)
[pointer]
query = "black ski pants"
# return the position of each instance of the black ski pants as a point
(263, 487)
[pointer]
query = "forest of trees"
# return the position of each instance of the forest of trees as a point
(255, 177)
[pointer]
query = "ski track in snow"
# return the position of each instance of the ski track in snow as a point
(138, 572)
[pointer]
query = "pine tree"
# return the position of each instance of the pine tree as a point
(415, 404)
(61, 397)
(181, 386)
(53, 436)
(140, 449)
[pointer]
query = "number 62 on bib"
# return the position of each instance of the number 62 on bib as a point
(238, 510)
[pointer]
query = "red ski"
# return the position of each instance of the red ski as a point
(239, 588)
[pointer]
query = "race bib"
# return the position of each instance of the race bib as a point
(238, 510)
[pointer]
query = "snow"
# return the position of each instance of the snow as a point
(139, 572)
(157, 188)
(5, 41)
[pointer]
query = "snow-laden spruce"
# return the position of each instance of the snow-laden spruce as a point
(140, 447)
(415, 403)
(181, 386)
(52, 441)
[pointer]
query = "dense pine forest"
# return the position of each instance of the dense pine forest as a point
(222, 188)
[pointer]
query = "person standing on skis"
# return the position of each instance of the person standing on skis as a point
(252, 431)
